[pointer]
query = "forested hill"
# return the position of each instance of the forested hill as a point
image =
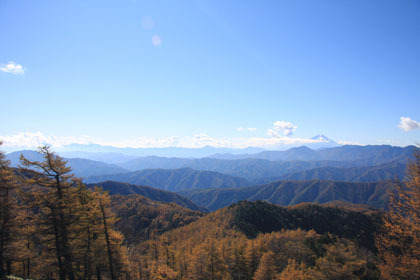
(257, 217)
(125, 189)
(294, 192)
(253, 218)
(175, 179)
(139, 218)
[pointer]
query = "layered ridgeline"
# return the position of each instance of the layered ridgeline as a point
(275, 164)
(80, 167)
(364, 155)
(340, 163)
(124, 189)
(175, 179)
(388, 171)
(294, 192)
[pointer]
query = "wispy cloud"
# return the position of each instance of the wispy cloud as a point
(408, 124)
(12, 68)
(250, 129)
(156, 40)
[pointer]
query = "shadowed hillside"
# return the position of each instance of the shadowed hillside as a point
(118, 188)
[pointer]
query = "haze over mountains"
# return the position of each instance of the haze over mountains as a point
(175, 179)
(90, 149)
(294, 192)
(113, 154)
(356, 174)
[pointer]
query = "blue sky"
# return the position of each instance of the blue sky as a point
(187, 73)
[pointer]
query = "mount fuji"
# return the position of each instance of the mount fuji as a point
(323, 142)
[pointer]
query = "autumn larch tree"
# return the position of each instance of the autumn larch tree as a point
(55, 198)
(8, 215)
(399, 242)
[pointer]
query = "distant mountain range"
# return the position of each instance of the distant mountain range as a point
(345, 163)
(87, 150)
(388, 171)
(175, 179)
(274, 164)
(250, 169)
(295, 192)
(362, 155)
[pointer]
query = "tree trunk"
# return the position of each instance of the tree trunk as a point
(108, 243)
(98, 273)
(8, 267)
(57, 246)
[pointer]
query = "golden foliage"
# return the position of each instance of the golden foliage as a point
(399, 243)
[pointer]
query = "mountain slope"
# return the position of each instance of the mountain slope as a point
(252, 218)
(175, 179)
(118, 188)
(249, 169)
(295, 192)
(80, 167)
(140, 218)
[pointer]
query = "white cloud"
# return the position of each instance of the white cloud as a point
(250, 129)
(156, 40)
(408, 124)
(12, 68)
(287, 128)
(31, 140)
(349, 143)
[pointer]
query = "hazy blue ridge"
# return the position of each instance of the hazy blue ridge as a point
(294, 192)
(175, 179)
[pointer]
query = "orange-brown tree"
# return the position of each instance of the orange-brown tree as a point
(55, 198)
(8, 216)
(399, 242)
